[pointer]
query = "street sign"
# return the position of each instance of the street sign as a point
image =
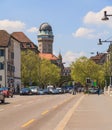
(94, 83)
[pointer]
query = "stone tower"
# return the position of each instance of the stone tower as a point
(45, 38)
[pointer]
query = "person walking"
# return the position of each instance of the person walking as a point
(98, 90)
(74, 90)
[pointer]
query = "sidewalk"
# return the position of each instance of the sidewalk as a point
(93, 113)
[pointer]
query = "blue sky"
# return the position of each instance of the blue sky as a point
(76, 25)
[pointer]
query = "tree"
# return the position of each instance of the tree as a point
(85, 68)
(36, 70)
(28, 67)
(48, 73)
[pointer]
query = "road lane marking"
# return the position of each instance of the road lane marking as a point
(66, 118)
(28, 123)
(1, 110)
(55, 106)
(45, 112)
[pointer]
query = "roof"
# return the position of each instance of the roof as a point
(4, 38)
(98, 56)
(25, 41)
(21, 37)
(48, 56)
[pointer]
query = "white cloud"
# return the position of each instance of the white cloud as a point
(11, 26)
(70, 57)
(95, 17)
(33, 29)
(84, 32)
(93, 20)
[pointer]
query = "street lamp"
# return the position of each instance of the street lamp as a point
(105, 17)
(100, 43)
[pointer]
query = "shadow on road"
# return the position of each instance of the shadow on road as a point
(5, 103)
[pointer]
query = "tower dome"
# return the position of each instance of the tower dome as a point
(45, 27)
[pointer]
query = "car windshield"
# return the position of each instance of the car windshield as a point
(33, 87)
(25, 88)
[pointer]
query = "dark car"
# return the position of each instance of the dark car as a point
(25, 91)
(60, 90)
(46, 91)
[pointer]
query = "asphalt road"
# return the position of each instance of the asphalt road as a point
(31, 112)
(57, 112)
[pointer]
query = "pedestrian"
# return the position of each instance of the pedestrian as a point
(98, 90)
(74, 90)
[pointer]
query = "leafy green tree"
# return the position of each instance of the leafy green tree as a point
(48, 73)
(85, 68)
(36, 70)
(28, 66)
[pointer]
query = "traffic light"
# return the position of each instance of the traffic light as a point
(88, 80)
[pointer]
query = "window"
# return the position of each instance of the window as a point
(2, 52)
(12, 55)
(8, 68)
(0, 77)
(28, 45)
(1, 66)
(12, 68)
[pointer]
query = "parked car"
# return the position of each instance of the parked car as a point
(66, 89)
(40, 91)
(25, 91)
(33, 89)
(2, 97)
(53, 91)
(46, 91)
(60, 90)
(8, 92)
(93, 90)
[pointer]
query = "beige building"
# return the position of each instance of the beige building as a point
(10, 60)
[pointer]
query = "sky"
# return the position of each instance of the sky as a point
(76, 24)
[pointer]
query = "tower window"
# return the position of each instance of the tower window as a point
(1, 66)
(2, 52)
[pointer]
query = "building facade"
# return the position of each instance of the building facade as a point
(10, 61)
(25, 42)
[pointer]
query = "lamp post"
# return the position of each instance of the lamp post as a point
(100, 43)
(106, 16)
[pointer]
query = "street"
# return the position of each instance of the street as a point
(57, 112)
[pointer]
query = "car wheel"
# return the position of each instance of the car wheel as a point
(11, 96)
(2, 101)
